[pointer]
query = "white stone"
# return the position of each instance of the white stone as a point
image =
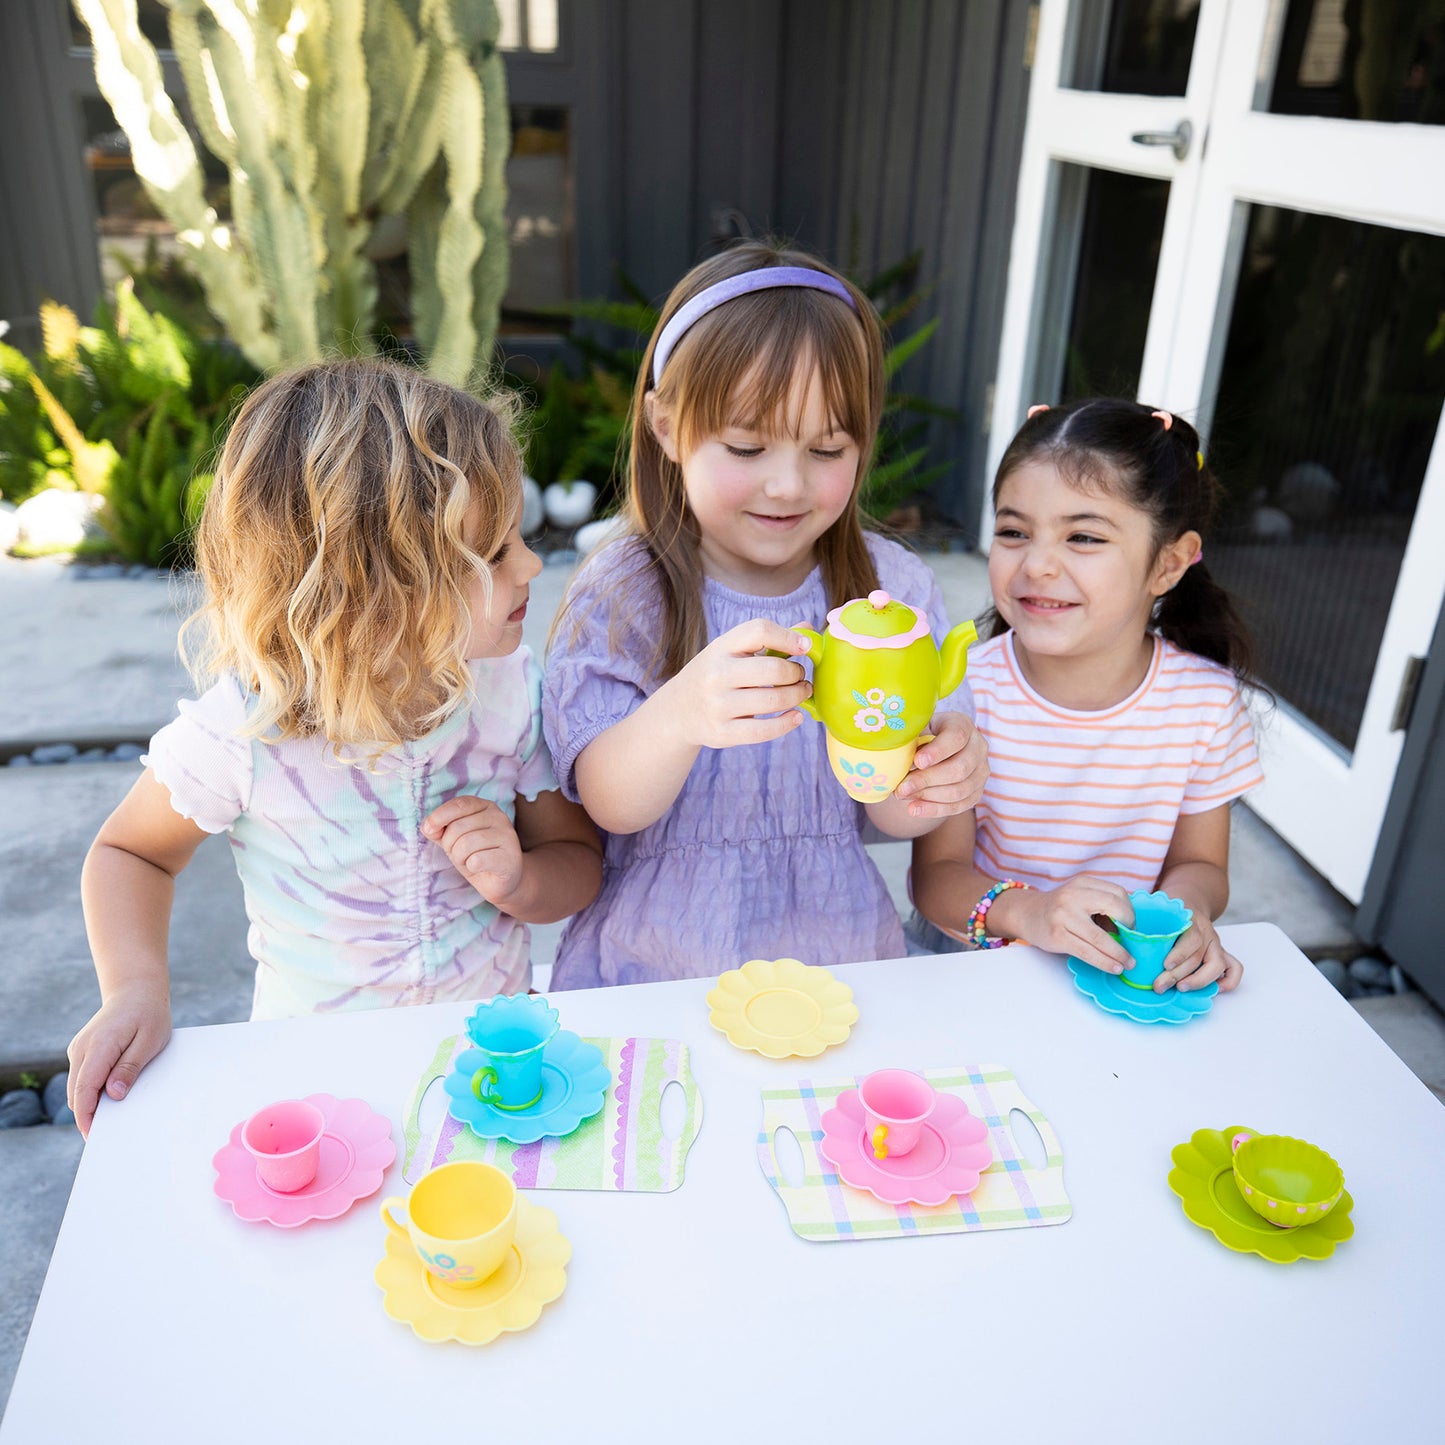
(533, 513)
(569, 504)
(1269, 524)
(1307, 492)
(55, 518)
(594, 534)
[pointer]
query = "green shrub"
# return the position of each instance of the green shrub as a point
(131, 407)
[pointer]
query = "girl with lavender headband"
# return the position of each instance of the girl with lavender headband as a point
(671, 693)
(372, 741)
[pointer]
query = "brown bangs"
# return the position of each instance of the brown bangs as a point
(740, 366)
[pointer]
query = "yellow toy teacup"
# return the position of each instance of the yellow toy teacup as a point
(461, 1220)
(1287, 1181)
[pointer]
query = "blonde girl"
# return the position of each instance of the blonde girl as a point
(371, 739)
(1109, 693)
(672, 690)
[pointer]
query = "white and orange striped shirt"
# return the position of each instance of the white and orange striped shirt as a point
(1100, 792)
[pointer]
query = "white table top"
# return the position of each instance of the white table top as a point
(699, 1315)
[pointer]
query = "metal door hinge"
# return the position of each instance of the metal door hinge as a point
(1031, 36)
(1405, 698)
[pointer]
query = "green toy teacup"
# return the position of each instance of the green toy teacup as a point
(1286, 1181)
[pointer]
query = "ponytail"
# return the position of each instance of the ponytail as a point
(1198, 615)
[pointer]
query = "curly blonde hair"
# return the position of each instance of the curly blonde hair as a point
(354, 504)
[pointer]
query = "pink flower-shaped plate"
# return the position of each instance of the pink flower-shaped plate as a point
(356, 1151)
(951, 1153)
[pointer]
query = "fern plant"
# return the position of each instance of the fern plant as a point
(132, 408)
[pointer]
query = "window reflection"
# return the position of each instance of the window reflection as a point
(1362, 60)
(1144, 49)
(1326, 412)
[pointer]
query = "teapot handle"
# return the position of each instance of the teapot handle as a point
(814, 654)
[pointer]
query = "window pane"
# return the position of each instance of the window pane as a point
(153, 25)
(1362, 60)
(1328, 403)
(1094, 313)
(1133, 47)
(539, 217)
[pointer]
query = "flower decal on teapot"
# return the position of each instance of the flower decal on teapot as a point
(879, 710)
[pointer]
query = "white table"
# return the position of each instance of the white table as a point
(699, 1316)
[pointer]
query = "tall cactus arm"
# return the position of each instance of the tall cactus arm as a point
(493, 268)
(129, 75)
(460, 241)
(270, 215)
(417, 138)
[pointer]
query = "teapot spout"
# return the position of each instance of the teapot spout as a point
(953, 656)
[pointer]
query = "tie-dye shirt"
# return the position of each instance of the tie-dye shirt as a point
(350, 906)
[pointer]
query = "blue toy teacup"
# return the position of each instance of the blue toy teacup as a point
(512, 1033)
(1158, 922)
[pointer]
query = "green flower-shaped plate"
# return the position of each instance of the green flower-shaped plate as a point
(1203, 1178)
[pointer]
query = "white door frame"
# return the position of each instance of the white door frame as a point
(1327, 804)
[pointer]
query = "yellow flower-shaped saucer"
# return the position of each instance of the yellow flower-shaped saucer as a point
(533, 1275)
(1203, 1178)
(782, 1008)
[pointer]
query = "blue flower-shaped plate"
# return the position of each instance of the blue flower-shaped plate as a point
(574, 1086)
(1143, 1006)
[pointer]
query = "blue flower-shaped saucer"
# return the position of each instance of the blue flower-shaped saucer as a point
(1144, 1006)
(574, 1086)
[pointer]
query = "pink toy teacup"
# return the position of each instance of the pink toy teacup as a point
(896, 1104)
(285, 1141)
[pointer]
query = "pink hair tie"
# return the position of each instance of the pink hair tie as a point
(1035, 409)
(1165, 417)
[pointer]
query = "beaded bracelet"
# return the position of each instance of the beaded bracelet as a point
(975, 925)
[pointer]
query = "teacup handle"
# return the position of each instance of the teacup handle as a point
(880, 1149)
(1242, 1137)
(487, 1075)
(387, 1205)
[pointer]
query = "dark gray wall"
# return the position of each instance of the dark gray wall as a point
(867, 129)
(1403, 909)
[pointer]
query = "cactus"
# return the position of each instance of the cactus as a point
(330, 116)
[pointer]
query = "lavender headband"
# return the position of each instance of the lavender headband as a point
(709, 299)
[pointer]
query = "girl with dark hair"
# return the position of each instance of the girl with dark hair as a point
(1109, 696)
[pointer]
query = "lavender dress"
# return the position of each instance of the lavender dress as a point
(762, 855)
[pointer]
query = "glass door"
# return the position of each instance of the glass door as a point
(1293, 304)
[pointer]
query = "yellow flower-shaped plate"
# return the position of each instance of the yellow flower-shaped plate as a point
(1203, 1178)
(782, 1008)
(533, 1275)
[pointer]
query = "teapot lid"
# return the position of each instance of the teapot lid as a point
(877, 621)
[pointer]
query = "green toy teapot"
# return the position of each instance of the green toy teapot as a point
(877, 678)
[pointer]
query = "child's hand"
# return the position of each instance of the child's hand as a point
(126, 1033)
(481, 842)
(724, 696)
(1066, 920)
(949, 772)
(1198, 959)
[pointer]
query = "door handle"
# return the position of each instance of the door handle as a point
(1177, 139)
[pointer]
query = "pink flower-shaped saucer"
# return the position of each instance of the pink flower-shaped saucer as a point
(951, 1153)
(356, 1151)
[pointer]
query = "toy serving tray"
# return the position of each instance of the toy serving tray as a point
(1010, 1194)
(622, 1147)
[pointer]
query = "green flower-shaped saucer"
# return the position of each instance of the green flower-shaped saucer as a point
(1203, 1178)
